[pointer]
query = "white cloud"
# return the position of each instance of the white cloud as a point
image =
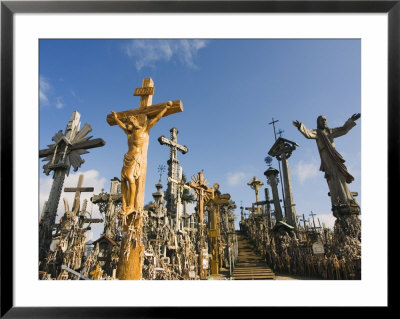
(148, 52)
(305, 171)
(91, 179)
(59, 103)
(44, 87)
(46, 92)
(234, 179)
(325, 219)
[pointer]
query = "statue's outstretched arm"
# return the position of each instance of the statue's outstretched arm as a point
(119, 122)
(340, 131)
(356, 116)
(159, 115)
(312, 134)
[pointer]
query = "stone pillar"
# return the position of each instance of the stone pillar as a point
(289, 203)
(272, 178)
(282, 150)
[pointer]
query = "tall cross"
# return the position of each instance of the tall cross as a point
(255, 184)
(131, 257)
(64, 153)
(273, 124)
(78, 190)
(161, 170)
(180, 186)
(203, 192)
(304, 225)
(215, 226)
(312, 215)
(173, 162)
(279, 163)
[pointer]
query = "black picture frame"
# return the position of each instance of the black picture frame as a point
(9, 8)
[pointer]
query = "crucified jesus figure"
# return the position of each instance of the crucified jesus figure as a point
(336, 172)
(133, 173)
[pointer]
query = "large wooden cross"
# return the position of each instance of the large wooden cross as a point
(131, 258)
(78, 190)
(214, 232)
(203, 192)
(145, 107)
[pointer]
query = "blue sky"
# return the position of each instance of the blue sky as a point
(230, 90)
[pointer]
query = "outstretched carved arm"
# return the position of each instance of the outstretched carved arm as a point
(312, 134)
(350, 123)
(296, 123)
(159, 115)
(119, 122)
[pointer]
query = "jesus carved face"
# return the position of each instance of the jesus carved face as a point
(137, 121)
(321, 122)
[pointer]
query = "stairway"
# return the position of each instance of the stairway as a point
(250, 266)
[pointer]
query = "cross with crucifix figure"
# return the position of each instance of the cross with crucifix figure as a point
(203, 192)
(173, 162)
(214, 233)
(64, 153)
(136, 124)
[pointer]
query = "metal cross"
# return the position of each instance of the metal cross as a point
(273, 124)
(279, 163)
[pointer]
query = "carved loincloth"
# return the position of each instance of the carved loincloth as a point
(132, 164)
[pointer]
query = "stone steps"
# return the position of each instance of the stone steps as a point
(250, 266)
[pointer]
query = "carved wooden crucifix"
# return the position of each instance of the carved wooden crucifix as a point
(215, 226)
(136, 124)
(203, 192)
(145, 107)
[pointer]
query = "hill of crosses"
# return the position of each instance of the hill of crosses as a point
(163, 240)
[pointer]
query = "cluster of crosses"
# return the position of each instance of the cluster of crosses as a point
(175, 245)
(285, 238)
